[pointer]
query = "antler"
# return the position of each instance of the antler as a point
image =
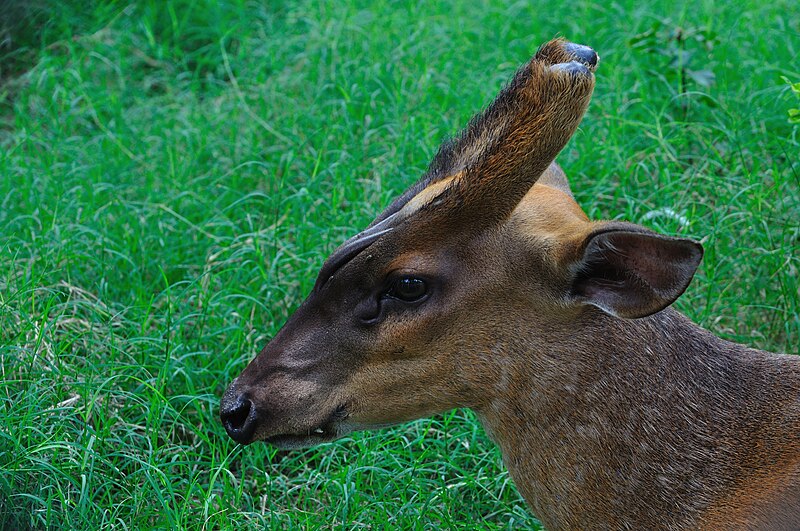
(490, 166)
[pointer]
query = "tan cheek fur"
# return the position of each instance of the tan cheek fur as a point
(411, 373)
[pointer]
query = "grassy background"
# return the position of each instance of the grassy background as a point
(172, 175)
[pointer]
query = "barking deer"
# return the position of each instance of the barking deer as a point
(486, 286)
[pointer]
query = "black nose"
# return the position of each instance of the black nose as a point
(239, 418)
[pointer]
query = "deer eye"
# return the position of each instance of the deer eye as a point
(408, 289)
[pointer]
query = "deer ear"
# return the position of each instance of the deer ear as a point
(631, 272)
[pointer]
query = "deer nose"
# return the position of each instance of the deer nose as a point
(239, 417)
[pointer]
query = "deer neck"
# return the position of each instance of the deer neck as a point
(584, 422)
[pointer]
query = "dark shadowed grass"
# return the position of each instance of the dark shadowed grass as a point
(173, 175)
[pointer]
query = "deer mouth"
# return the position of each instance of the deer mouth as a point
(331, 429)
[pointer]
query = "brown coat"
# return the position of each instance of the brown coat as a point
(486, 286)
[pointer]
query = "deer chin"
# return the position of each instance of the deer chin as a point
(329, 430)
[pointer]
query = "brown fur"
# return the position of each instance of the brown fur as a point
(611, 409)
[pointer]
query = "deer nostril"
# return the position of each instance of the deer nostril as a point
(239, 419)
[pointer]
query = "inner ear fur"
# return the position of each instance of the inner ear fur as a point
(631, 272)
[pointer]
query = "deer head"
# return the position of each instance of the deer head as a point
(409, 317)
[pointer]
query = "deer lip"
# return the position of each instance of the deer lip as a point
(325, 432)
(291, 441)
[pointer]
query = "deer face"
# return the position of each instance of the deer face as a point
(380, 340)
(356, 354)
(405, 316)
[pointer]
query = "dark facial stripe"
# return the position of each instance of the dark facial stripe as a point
(351, 248)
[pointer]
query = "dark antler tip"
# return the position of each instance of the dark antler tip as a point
(573, 67)
(582, 53)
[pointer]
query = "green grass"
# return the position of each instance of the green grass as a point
(172, 176)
